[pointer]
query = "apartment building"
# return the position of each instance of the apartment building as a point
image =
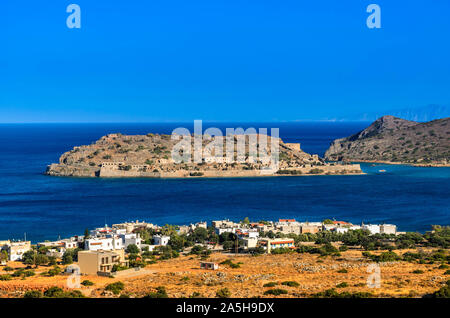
(94, 262)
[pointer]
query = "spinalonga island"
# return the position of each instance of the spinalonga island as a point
(117, 155)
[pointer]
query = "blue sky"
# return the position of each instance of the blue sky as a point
(219, 60)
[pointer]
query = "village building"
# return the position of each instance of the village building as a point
(224, 223)
(270, 244)
(388, 229)
(209, 265)
(16, 250)
(372, 228)
(103, 243)
(250, 242)
(100, 262)
(310, 227)
(131, 238)
(161, 240)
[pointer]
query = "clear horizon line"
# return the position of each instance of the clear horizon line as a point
(183, 121)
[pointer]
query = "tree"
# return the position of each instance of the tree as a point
(245, 221)
(67, 259)
(176, 242)
(32, 257)
(86, 234)
(199, 235)
(3, 256)
(132, 249)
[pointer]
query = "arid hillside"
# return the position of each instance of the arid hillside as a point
(392, 139)
(297, 275)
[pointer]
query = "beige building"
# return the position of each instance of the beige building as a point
(92, 262)
(290, 228)
(388, 229)
(310, 228)
(17, 249)
(250, 242)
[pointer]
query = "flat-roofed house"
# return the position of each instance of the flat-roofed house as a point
(17, 249)
(93, 262)
(161, 240)
(103, 243)
(310, 227)
(388, 229)
(270, 244)
(250, 242)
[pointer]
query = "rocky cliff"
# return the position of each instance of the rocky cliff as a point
(392, 139)
(150, 155)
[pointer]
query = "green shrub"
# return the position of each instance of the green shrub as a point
(270, 284)
(160, 293)
(290, 284)
(276, 292)
(5, 277)
(332, 293)
(342, 271)
(223, 293)
(230, 263)
(33, 294)
(54, 292)
(116, 287)
(342, 285)
(443, 292)
(417, 271)
(87, 283)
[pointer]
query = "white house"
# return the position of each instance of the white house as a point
(103, 243)
(250, 242)
(372, 228)
(225, 230)
(344, 229)
(161, 239)
(131, 238)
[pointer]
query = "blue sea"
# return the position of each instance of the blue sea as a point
(46, 207)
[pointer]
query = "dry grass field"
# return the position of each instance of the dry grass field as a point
(182, 277)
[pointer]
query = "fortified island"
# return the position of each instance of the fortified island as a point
(151, 155)
(394, 140)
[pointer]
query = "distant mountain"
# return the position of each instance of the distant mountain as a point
(392, 139)
(418, 114)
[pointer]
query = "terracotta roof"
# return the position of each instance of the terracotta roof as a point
(281, 242)
(340, 222)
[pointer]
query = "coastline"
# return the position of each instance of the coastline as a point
(428, 165)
